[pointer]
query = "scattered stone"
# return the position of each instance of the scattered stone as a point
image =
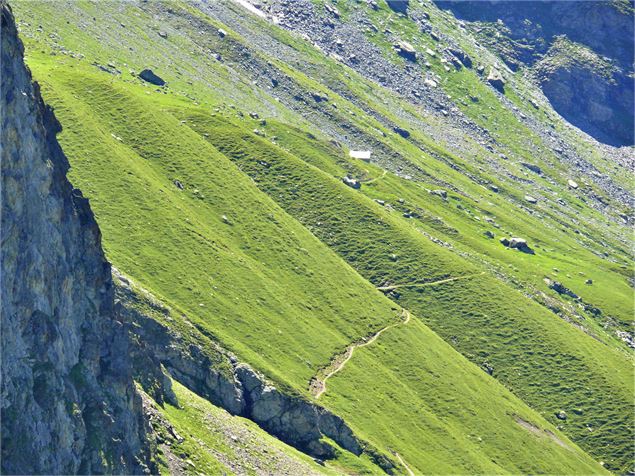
(254, 115)
(430, 83)
(441, 193)
(351, 182)
(434, 36)
(332, 10)
(258, 132)
(179, 185)
(149, 76)
(572, 184)
(531, 199)
(222, 33)
(588, 281)
(560, 288)
(532, 167)
(402, 132)
(319, 97)
(493, 188)
(561, 415)
(489, 234)
(163, 34)
(504, 241)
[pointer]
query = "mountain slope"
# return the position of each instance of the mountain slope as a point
(222, 194)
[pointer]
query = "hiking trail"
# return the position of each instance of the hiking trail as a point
(433, 283)
(317, 386)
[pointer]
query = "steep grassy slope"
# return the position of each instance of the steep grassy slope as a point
(252, 271)
(550, 364)
(180, 253)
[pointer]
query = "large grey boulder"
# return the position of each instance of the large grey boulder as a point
(149, 76)
(495, 78)
(406, 50)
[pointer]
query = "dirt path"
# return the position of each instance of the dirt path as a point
(375, 179)
(541, 433)
(318, 384)
(422, 285)
(403, 463)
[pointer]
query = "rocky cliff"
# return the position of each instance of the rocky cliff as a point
(581, 52)
(69, 404)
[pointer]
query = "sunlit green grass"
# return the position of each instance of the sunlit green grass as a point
(267, 252)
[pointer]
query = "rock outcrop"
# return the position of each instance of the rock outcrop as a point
(212, 372)
(68, 403)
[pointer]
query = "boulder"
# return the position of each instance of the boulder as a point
(430, 83)
(402, 132)
(531, 199)
(495, 78)
(560, 288)
(319, 97)
(561, 415)
(441, 193)
(332, 10)
(489, 234)
(520, 244)
(149, 76)
(406, 50)
(351, 182)
(572, 184)
(462, 56)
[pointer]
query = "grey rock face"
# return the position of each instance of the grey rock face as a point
(600, 106)
(68, 401)
(525, 33)
(399, 6)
